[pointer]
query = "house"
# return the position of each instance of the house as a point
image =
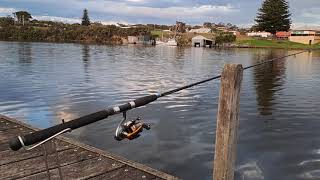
(283, 34)
(305, 35)
(201, 30)
(201, 41)
(222, 28)
(133, 39)
(259, 34)
(236, 33)
(125, 27)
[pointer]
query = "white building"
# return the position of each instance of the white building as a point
(200, 41)
(259, 34)
(201, 30)
(305, 36)
(236, 33)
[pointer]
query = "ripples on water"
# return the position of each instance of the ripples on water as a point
(43, 83)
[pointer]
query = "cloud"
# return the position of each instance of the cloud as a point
(170, 12)
(57, 19)
(133, 11)
(136, 1)
(74, 20)
(192, 13)
(311, 13)
(241, 12)
(7, 10)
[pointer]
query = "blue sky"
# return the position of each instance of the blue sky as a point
(239, 12)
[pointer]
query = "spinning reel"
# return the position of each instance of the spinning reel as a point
(130, 129)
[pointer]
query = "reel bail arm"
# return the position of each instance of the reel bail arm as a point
(130, 129)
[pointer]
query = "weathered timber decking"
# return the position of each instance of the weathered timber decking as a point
(75, 160)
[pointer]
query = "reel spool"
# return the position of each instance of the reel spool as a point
(130, 129)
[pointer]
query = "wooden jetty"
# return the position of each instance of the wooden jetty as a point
(64, 158)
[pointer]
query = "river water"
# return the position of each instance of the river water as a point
(279, 137)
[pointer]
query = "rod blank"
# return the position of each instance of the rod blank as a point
(41, 135)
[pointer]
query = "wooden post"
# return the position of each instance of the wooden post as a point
(227, 122)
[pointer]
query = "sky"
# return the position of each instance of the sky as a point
(195, 12)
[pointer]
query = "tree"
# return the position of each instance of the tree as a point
(180, 27)
(6, 21)
(225, 38)
(273, 16)
(85, 18)
(207, 24)
(22, 17)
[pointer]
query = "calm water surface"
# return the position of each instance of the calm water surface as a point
(279, 133)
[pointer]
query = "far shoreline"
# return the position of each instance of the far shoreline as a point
(182, 46)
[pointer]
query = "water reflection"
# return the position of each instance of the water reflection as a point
(268, 79)
(66, 81)
(179, 52)
(25, 53)
(86, 60)
(314, 53)
(85, 53)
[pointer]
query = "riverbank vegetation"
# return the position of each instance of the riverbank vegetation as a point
(59, 32)
(23, 29)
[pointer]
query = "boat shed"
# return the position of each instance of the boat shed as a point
(201, 41)
(133, 39)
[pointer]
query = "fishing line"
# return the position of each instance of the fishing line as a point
(219, 76)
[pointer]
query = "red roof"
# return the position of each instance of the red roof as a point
(283, 34)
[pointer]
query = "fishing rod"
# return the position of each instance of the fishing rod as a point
(129, 130)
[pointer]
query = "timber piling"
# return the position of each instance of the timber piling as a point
(227, 122)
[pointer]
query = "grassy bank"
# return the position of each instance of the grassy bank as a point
(283, 44)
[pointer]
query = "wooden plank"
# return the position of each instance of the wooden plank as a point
(54, 175)
(4, 146)
(125, 173)
(81, 170)
(123, 160)
(227, 122)
(5, 125)
(90, 168)
(19, 123)
(9, 156)
(35, 165)
(29, 165)
(13, 132)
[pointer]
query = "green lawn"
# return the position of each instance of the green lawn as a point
(276, 44)
(159, 33)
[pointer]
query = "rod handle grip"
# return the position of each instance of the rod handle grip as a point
(41, 135)
(15, 144)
